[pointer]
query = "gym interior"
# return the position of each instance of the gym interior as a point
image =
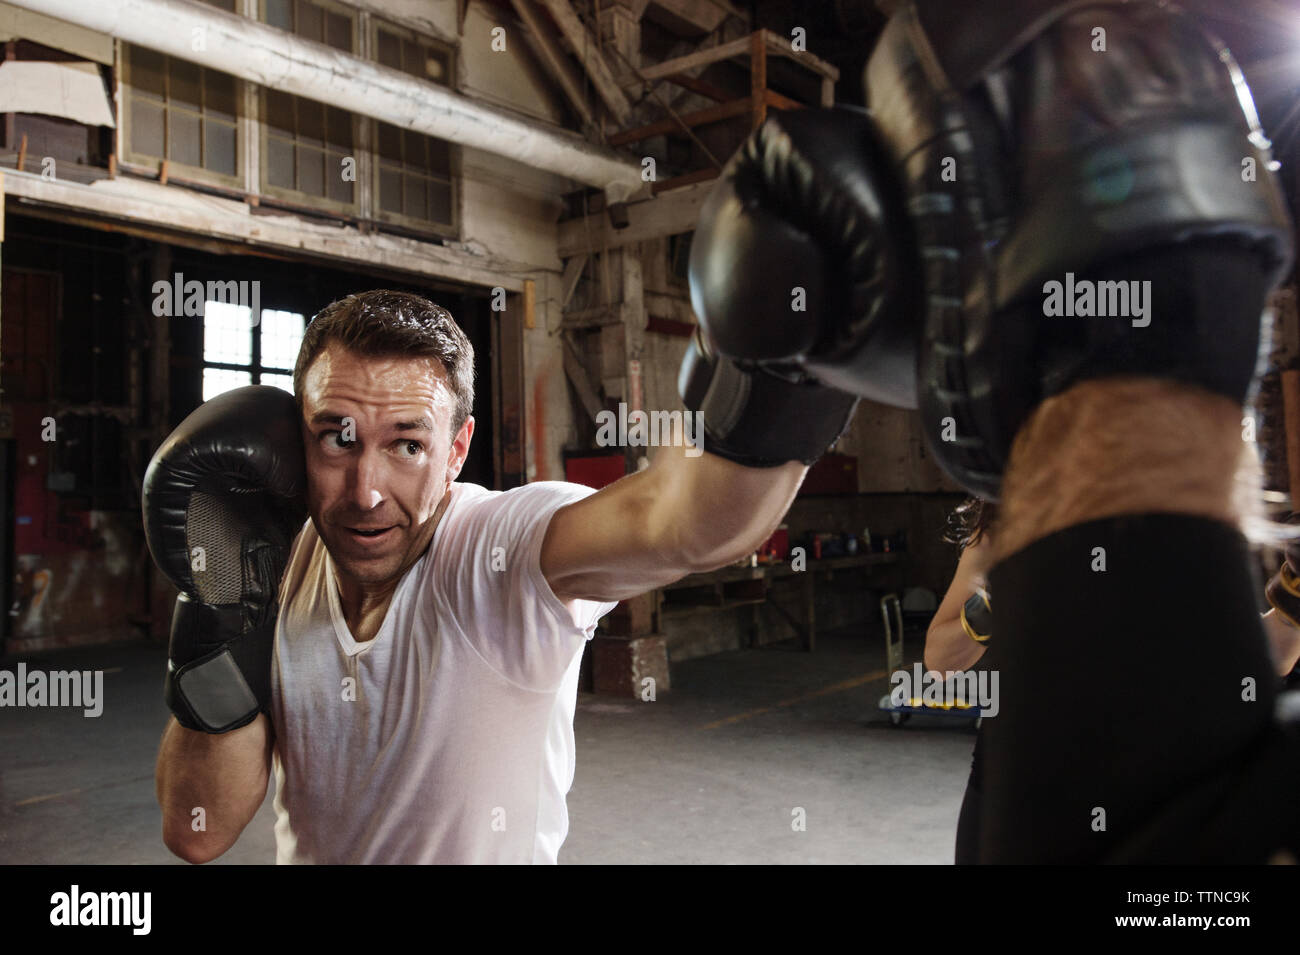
(168, 231)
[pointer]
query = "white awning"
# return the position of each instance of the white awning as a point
(16, 24)
(73, 91)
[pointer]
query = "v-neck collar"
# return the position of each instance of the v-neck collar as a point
(349, 644)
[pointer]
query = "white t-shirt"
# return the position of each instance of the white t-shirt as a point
(448, 737)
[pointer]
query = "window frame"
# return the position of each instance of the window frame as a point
(307, 200)
(200, 174)
(451, 229)
(255, 368)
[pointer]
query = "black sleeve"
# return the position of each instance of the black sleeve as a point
(1137, 702)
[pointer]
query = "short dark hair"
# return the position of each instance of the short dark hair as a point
(385, 324)
(970, 521)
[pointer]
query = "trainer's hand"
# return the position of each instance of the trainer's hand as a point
(1028, 159)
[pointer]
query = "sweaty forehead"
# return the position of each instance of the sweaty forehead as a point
(340, 381)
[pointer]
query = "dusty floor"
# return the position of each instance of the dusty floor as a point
(720, 770)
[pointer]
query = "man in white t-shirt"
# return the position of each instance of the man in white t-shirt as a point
(448, 735)
(413, 688)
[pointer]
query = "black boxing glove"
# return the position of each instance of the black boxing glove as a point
(760, 415)
(793, 262)
(224, 497)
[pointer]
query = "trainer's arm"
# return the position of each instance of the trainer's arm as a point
(947, 644)
(224, 774)
(680, 515)
(1283, 641)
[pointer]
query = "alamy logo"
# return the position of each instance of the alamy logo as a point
(1084, 298)
(953, 688)
(102, 908)
(84, 688)
(175, 297)
(651, 430)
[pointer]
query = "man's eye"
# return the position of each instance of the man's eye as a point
(411, 449)
(334, 440)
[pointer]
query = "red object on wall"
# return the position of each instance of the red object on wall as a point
(595, 470)
(777, 547)
(833, 474)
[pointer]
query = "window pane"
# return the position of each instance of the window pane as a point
(219, 380)
(439, 156)
(436, 67)
(281, 337)
(311, 171)
(279, 162)
(227, 334)
(283, 382)
(219, 94)
(390, 189)
(310, 23)
(390, 142)
(146, 127)
(339, 32)
(279, 112)
(147, 72)
(413, 58)
(339, 189)
(311, 123)
(413, 144)
(440, 202)
(183, 137)
(415, 198)
(339, 124)
(390, 50)
(184, 90)
(219, 147)
(278, 14)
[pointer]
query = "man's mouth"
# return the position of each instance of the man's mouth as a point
(368, 533)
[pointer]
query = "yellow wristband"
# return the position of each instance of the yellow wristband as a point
(986, 610)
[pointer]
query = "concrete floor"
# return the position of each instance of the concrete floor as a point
(709, 773)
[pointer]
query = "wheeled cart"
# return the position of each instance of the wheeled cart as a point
(891, 611)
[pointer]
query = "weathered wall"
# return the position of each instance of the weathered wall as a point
(891, 452)
(508, 213)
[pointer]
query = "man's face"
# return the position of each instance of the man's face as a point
(380, 458)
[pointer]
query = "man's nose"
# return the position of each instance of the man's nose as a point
(366, 489)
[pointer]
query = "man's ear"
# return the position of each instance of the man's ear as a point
(459, 449)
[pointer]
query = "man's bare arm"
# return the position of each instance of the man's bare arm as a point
(679, 516)
(223, 774)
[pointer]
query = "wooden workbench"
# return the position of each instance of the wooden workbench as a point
(731, 587)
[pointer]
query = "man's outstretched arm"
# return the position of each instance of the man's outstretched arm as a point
(680, 515)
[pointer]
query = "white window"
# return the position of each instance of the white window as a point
(238, 351)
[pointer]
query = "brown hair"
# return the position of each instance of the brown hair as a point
(969, 521)
(383, 324)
